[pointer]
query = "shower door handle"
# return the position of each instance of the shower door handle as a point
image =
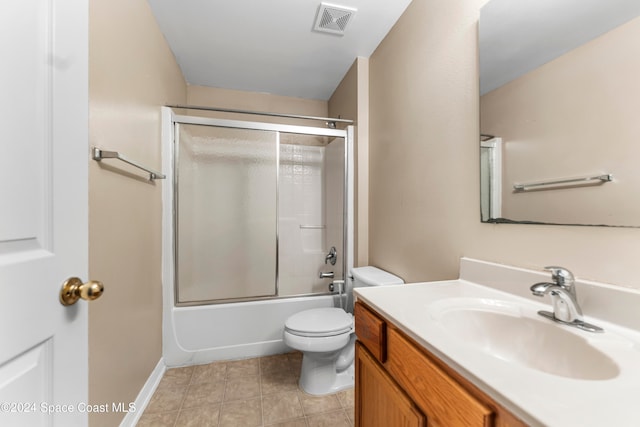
(327, 275)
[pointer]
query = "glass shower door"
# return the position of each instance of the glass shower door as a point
(226, 213)
(311, 212)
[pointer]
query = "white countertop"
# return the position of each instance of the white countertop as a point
(539, 398)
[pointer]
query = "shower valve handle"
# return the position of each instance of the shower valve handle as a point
(332, 256)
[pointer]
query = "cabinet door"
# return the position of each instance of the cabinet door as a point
(379, 401)
(440, 396)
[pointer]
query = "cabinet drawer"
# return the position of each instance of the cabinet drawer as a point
(444, 401)
(371, 331)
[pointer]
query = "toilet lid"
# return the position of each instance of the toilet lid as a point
(320, 322)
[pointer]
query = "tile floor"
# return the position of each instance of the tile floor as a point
(245, 393)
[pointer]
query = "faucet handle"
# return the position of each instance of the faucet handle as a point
(561, 276)
(332, 256)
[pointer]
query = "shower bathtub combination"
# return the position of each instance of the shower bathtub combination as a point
(252, 212)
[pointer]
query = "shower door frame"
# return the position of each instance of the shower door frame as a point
(170, 165)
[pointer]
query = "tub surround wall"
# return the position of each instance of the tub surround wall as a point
(132, 73)
(424, 164)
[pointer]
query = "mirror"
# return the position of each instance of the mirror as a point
(560, 112)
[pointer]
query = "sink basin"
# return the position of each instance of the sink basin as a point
(502, 329)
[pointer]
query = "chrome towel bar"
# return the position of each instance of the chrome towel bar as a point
(584, 180)
(98, 154)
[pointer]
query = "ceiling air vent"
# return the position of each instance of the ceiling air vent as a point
(333, 19)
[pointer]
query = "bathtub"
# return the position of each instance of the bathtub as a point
(206, 333)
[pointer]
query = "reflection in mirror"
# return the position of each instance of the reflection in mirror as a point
(490, 177)
(561, 93)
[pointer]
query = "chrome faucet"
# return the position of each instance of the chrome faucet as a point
(566, 309)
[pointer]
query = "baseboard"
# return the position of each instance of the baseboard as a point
(141, 402)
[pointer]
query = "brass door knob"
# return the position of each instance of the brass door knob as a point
(73, 289)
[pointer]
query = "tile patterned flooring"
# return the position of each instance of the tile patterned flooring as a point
(245, 393)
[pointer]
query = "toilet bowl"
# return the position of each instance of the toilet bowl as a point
(326, 338)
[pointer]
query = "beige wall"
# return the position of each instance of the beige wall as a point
(254, 101)
(350, 101)
(424, 201)
(573, 117)
(131, 74)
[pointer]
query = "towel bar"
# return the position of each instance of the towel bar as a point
(98, 154)
(585, 180)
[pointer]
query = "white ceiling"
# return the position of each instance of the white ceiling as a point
(269, 45)
(517, 36)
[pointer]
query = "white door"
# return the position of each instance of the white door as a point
(43, 210)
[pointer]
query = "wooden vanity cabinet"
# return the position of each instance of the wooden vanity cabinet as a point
(399, 383)
(382, 403)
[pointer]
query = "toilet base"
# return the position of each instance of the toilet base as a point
(321, 383)
(328, 372)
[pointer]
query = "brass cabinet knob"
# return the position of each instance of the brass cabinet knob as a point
(73, 289)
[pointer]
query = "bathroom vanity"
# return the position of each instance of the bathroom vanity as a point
(475, 352)
(398, 382)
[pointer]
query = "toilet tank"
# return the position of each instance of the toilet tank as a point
(373, 276)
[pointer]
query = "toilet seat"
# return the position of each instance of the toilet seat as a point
(320, 322)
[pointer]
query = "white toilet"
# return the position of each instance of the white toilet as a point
(326, 338)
